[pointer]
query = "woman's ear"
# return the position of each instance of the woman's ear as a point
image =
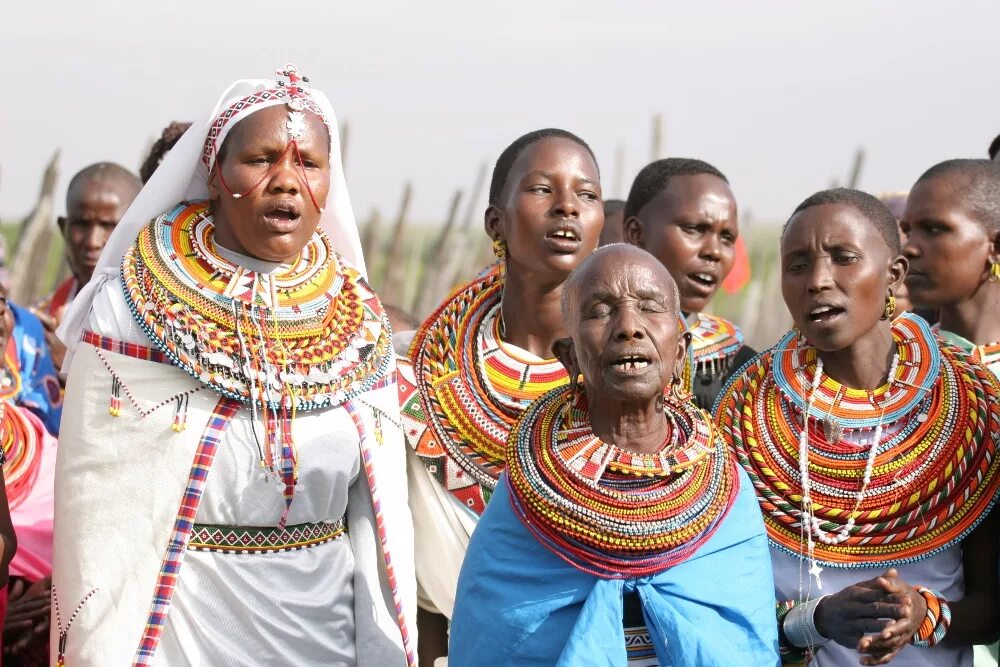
(563, 349)
(493, 223)
(633, 231)
(683, 341)
(213, 182)
(897, 272)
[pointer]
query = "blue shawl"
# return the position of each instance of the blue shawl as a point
(520, 604)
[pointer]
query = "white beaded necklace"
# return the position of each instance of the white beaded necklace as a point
(809, 524)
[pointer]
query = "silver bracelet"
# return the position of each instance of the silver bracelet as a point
(800, 625)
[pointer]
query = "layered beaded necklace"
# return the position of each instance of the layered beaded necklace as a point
(608, 511)
(988, 355)
(22, 456)
(714, 343)
(854, 478)
(307, 336)
(470, 388)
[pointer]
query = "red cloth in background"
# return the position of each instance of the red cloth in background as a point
(740, 274)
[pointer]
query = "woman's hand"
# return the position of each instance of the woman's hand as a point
(883, 647)
(27, 614)
(846, 617)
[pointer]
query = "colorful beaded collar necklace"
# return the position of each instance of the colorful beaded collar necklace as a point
(714, 343)
(988, 355)
(22, 456)
(307, 336)
(470, 390)
(610, 512)
(10, 373)
(931, 478)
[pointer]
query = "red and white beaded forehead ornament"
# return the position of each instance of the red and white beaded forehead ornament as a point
(291, 94)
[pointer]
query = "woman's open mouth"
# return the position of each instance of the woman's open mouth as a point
(825, 314)
(630, 364)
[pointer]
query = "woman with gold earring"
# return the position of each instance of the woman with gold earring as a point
(952, 231)
(951, 226)
(486, 353)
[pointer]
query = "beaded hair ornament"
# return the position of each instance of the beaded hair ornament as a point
(297, 99)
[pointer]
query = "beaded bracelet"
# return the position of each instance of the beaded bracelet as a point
(936, 622)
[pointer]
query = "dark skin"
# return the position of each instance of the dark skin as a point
(553, 188)
(950, 250)
(622, 308)
(614, 227)
(93, 209)
(27, 618)
(691, 227)
(276, 220)
(832, 256)
(549, 217)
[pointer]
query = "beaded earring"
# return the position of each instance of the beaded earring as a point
(500, 249)
(994, 271)
(890, 307)
(678, 393)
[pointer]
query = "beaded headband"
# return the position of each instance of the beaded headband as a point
(291, 93)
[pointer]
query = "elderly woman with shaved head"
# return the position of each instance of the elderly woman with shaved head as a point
(616, 485)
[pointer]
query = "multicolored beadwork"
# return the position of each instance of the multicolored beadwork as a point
(934, 476)
(21, 453)
(610, 512)
(308, 336)
(467, 391)
(714, 343)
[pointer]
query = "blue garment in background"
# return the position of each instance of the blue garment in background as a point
(40, 389)
(520, 604)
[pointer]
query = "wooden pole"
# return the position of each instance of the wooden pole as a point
(656, 151)
(395, 270)
(619, 175)
(32, 249)
(434, 281)
(859, 161)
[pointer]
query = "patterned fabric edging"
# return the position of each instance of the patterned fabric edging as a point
(166, 582)
(366, 458)
(120, 347)
(255, 540)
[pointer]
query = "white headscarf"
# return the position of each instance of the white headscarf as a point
(183, 176)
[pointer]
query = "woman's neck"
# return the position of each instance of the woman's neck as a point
(866, 363)
(638, 427)
(532, 314)
(976, 319)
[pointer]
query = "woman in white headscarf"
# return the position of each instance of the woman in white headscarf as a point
(231, 480)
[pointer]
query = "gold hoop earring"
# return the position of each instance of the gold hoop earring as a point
(890, 307)
(994, 271)
(499, 249)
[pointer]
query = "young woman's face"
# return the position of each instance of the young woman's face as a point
(274, 220)
(836, 273)
(948, 249)
(691, 228)
(551, 214)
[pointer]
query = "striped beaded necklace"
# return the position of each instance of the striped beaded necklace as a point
(22, 456)
(894, 475)
(608, 511)
(714, 343)
(307, 336)
(470, 388)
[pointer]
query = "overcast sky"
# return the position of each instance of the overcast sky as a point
(778, 95)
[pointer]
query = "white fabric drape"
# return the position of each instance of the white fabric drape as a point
(184, 177)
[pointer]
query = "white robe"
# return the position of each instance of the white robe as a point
(120, 481)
